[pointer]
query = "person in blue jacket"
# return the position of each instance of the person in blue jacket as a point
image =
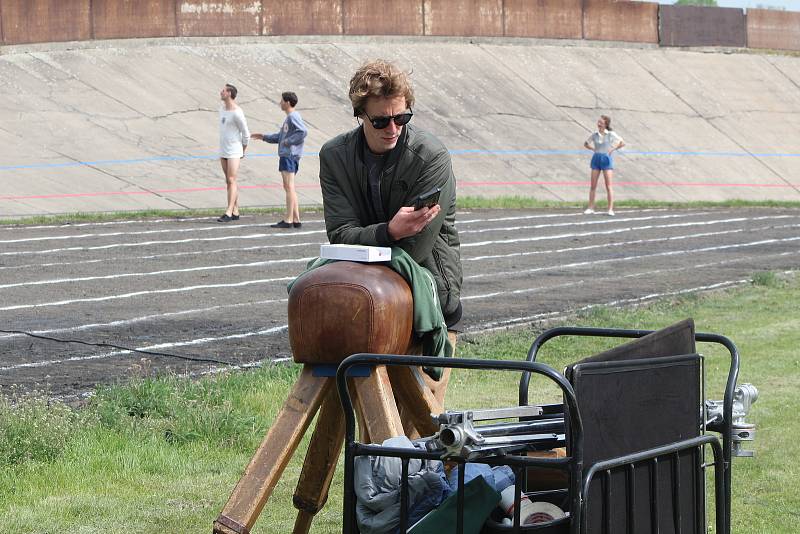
(290, 141)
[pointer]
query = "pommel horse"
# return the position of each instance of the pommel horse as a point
(336, 310)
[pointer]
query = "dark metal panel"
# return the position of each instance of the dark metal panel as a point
(229, 17)
(302, 17)
(777, 30)
(549, 19)
(383, 17)
(36, 21)
(702, 26)
(133, 18)
(611, 20)
(463, 17)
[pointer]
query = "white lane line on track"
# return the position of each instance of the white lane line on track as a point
(299, 260)
(175, 220)
(160, 346)
(578, 215)
(151, 292)
(151, 232)
(125, 322)
(629, 275)
(592, 222)
(121, 323)
(163, 242)
(463, 245)
(519, 321)
(628, 243)
(317, 243)
(257, 264)
(615, 231)
(144, 318)
(103, 223)
(486, 327)
(631, 258)
(157, 273)
(307, 232)
(179, 220)
(504, 324)
(165, 255)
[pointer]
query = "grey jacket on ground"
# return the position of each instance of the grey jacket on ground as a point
(418, 163)
(377, 488)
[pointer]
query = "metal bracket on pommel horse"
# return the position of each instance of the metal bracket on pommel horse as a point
(336, 310)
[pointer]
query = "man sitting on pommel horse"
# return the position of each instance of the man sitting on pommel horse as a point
(384, 183)
(372, 176)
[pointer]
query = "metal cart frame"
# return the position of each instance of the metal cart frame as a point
(579, 478)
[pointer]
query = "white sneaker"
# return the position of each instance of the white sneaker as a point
(610, 213)
(588, 211)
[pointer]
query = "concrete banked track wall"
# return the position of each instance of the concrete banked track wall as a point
(107, 115)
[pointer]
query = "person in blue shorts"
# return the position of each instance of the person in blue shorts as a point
(290, 141)
(603, 143)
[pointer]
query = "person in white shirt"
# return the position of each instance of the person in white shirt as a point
(233, 138)
(602, 143)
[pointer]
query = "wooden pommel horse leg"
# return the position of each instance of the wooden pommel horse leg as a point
(335, 310)
(320, 463)
(276, 449)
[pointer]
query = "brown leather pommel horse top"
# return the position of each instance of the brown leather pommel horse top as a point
(344, 308)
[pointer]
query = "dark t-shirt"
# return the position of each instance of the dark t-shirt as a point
(375, 163)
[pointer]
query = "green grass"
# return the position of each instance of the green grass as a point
(464, 203)
(163, 454)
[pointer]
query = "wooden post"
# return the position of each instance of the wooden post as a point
(415, 400)
(320, 463)
(376, 402)
(267, 465)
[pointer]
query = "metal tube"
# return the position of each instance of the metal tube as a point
(525, 427)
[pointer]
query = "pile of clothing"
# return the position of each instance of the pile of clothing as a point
(431, 493)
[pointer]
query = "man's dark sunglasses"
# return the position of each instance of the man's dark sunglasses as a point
(401, 119)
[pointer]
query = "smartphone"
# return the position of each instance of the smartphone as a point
(428, 199)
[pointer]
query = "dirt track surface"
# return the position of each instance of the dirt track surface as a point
(198, 288)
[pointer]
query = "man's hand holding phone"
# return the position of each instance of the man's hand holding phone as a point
(411, 220)
(428, 199)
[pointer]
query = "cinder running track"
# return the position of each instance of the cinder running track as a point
(196, 288)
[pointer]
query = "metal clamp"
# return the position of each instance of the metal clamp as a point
(744, 397)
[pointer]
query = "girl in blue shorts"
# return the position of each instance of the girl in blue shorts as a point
(603, 142)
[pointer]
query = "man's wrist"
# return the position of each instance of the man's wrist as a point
(382, 235)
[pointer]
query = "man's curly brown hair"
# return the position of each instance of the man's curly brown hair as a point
(379, 78)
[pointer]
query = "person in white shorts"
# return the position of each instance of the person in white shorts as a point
(233, 138)
(602, 143)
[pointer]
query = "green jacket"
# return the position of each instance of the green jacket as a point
(417, 164)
